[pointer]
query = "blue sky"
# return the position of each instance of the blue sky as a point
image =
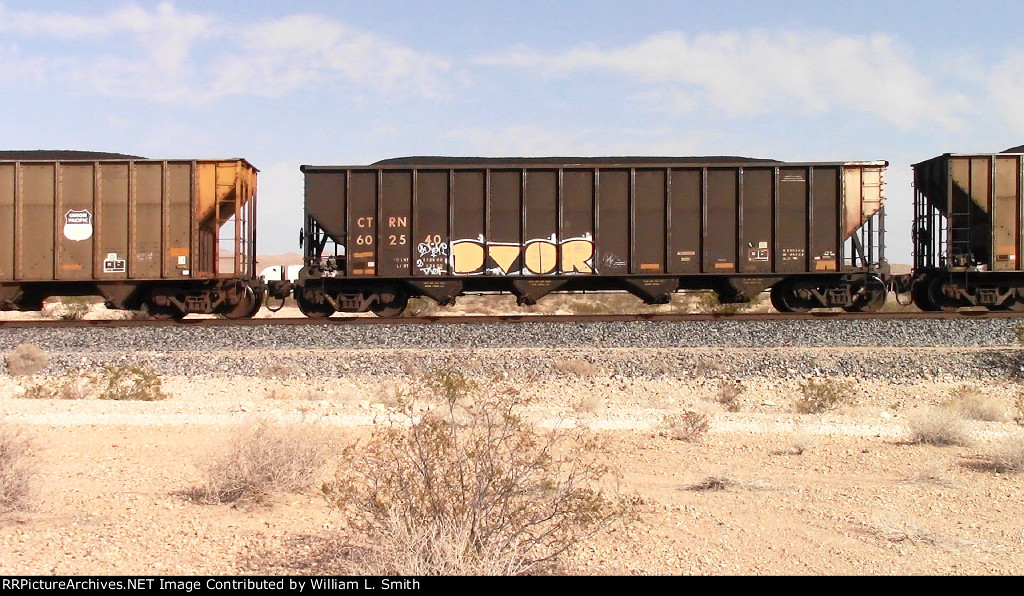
(290, 83)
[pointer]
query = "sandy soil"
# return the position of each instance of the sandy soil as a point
(835, 493)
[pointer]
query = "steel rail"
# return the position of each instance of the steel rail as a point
(514, 318)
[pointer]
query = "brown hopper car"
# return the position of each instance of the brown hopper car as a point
(377, 235)
(177, 236)
(968, 244)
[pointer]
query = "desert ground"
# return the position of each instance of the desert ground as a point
(842, 492)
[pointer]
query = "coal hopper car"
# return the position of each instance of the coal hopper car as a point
(376, 235)
(968, 244)
(175, 236)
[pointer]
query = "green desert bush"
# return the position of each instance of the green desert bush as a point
(129, 383)
(67, 387)
(821, 396)
(121, 382)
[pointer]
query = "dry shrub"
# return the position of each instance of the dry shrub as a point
(469, 490)
(707, 367)
(937, 426)
(26, 359)
(932, 473)
(124, 382)
(277, 370)
(710, 303)
(591, 404)
(685, 426)
(129, 382)
(973, 404)
(286, 393)
(895, 527)
(68, 308)
(68, 387)
(798, 444)
(421, 307)
(712, 483)
(605, 302)
(576, 366)
(263, 458)
(441, 386)
(450, 388)
(1007, 457)
(15, 471)
(728, 395)
(820, 396)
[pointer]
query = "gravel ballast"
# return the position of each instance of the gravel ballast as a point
(889, 350)
(967, 332)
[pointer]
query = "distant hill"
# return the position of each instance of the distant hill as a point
(291, 258)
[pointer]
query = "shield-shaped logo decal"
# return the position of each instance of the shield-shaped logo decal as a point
(78, 225)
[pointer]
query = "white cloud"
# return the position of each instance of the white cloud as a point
(279, 56)
(756, 72)
(131, 19)
(178, 56)
(1006, 86)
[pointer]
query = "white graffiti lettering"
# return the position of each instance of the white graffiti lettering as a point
(432, 249)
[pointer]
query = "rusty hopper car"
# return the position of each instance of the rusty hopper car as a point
(177, 236)
(968, 244)
(377, 235)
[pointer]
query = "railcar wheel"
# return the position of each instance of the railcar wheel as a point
(784, 299)
(919, 293)
(939, 298)
(247, 307)
(312, 309)
(392, 309)
(776, 296)
(873, 298)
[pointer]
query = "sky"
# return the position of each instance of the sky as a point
(348, 83)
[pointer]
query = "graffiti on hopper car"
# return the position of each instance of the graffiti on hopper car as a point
(432, 257)
(542, 256)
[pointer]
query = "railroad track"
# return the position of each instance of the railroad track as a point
(515, 318)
